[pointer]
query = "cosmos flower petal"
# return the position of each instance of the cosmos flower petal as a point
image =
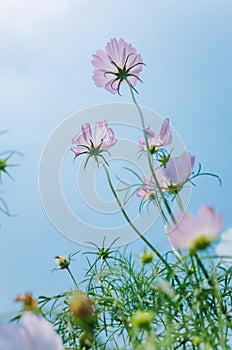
(165, 134)
(78, 150)
(161, 139)
(32, 332)
(189, 231)
(102, 139)
(100, 132)
(119, 61)
(87, 133)
(178, 169)
(207, 216)
(149, 186)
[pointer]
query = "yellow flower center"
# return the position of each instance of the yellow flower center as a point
(201, 242)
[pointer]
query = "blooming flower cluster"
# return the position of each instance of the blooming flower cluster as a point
(171, 178)
(120, 63)
(172, 173)
(120, 300)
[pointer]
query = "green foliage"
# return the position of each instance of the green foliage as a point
(192, 311)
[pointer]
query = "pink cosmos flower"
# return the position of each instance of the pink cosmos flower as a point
(32, 332)
(118, 63)
(196, 233)
(148, 190)
(94, 143)
(161, 139)
(179, 169)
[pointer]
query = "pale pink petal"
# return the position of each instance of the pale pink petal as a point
(117, 55)
(110, 87)
(165, 134)
(103, 138)
(79, 140)
(143, 193)
(101, 61)
(205, 215)
(179, 169)
(161, 139)
(41, 332)
(78, 150)
(161, 178)
(100, 132)
(32, 332)
(219, 223)
(182, 233)
(11, 336)
(209, 220)
(192, 162)
(87, 133)
(171, 171)
(188, 229)
(149, 185)
(109, 140)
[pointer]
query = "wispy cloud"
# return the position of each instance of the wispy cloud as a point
(25, 16)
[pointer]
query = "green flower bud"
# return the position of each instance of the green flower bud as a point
(86, 340)
(62, 262)
(143, 319)
(3, 164)
(82, 308)
(146, 257)
(196, 341)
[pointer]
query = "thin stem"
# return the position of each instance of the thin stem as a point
(179, 202)
(135, 228)
(72, 277)
(211, 282)
(150, 160)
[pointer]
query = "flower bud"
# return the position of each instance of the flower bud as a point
(143, 319)
(146, 257)
(62, 262)
(196, 341)
(3, 164)
(29, 304)
(81, 307)
(86, 340)
(165, 287)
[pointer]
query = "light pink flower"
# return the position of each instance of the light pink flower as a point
(155, 141)
(119, 62)
(149, 188)
(179, 169)
(32, 332)
(94, 143)
(196, 233)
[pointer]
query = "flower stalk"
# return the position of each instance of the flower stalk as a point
(150, 159)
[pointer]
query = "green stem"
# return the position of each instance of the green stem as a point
(211, 282)
(179, 202)
(150, 160)
(135, 228)
(72, 277)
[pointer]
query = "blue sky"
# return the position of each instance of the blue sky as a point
(45, 70)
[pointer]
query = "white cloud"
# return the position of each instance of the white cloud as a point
(224, 248)
(25, 16)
